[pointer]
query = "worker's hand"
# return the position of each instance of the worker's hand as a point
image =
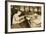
(17, 19)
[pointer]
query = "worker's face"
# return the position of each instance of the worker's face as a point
(26, 9)
(22, 8)
(31, 9)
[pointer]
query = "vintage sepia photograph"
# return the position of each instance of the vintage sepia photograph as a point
(25, 16)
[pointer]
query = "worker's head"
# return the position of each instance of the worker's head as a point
(22, 8)
(26, 8)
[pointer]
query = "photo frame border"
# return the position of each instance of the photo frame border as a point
(6, 17)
